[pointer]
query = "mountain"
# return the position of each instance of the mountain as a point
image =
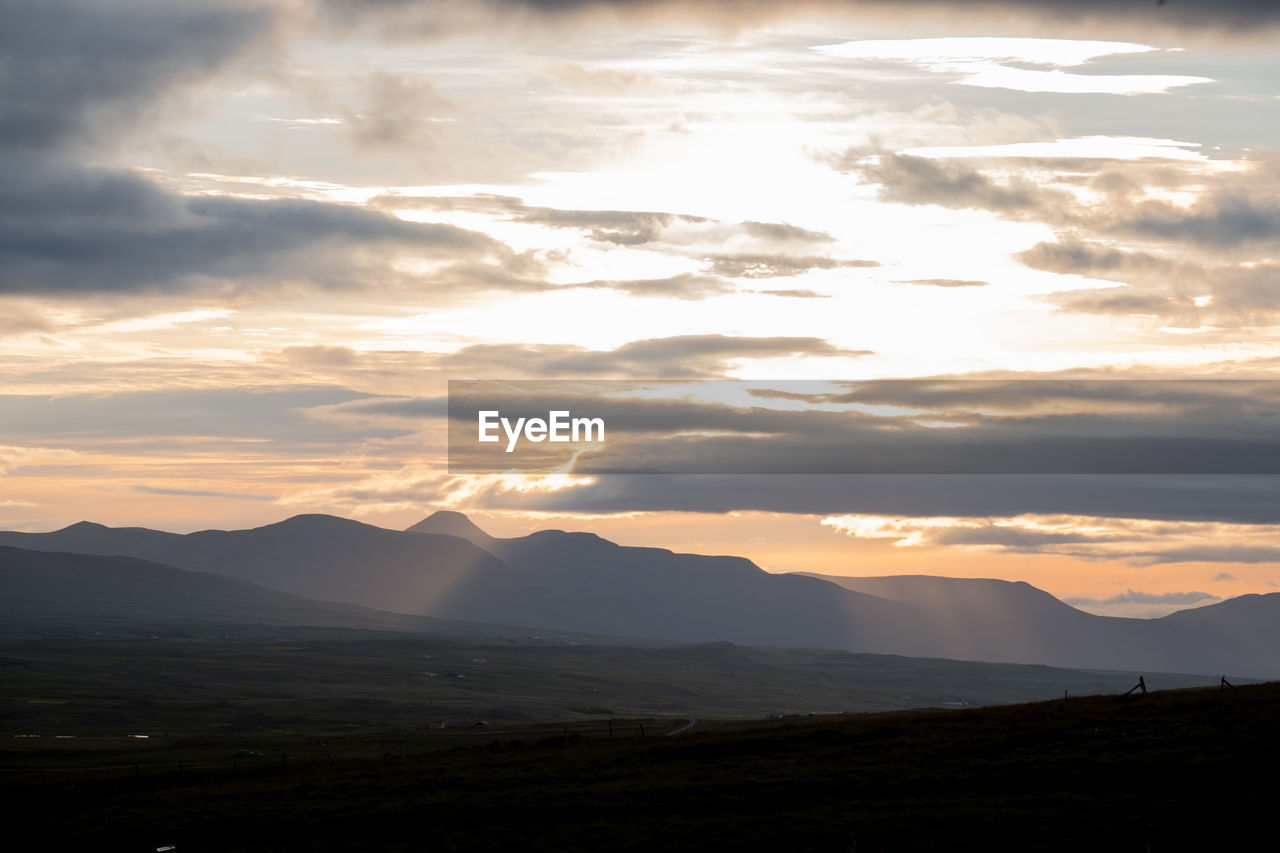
(986, 619)
(980, 618)
(315, 556)
(447, 567)
(450, 523)
(551, 579)
(50, 590)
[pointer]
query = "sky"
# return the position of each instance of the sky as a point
(244, 246)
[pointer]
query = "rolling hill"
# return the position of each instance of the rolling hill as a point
(447, 567)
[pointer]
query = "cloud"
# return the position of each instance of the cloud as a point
(1143, 605)
(960, 399)
(944, 282)
(73, 65)
(1012, 538)
(794, 293)
(1180, 292)
(1202, 258)
(201, 493)
(1224, 576)
(1245, 500)
(684, 286)
(14, 458)
(18, 320)
(620, 227)
(597, 81)
(1215, 554)
(1222, 219)
(1139, 542)
(777, 249)
(931, 426)
(1022, 64)
(953, 183)
(1238, 208)
(783, 232)
(398, 111)
(78, 72)
(1137, 597)
(69, 229)
(430, 18)
(778, 266)
(274, 415)
(686, 356)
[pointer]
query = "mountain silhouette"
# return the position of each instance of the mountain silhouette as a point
(51, 590)
(445, 566)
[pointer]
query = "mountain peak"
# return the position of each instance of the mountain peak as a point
(449, 523)
(316, 520)
(82, 525)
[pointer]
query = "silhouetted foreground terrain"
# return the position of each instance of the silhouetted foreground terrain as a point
(1172, 770)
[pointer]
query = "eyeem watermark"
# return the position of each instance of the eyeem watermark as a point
(559, 427)
(875, 427)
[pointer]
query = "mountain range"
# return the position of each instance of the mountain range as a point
(446, 567)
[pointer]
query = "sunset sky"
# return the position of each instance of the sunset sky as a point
(245, 245)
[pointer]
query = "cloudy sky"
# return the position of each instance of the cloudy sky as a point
(245, 243)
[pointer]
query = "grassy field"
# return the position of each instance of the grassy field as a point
(181, 682)
(242, 737)
(1187, 769)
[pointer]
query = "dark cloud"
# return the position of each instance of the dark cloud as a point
(1240, 295)
(267, 414)
(1232, 226)
(955, 183)
(1239, 499)
(1220, 220)
(1098, 16)
(64, 228)
(1023, 428)
(1236, 210)
(1096, 260)
(961, 398)
(1215, 554)
(68, 65)
(1011, 538)
(72, 72)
